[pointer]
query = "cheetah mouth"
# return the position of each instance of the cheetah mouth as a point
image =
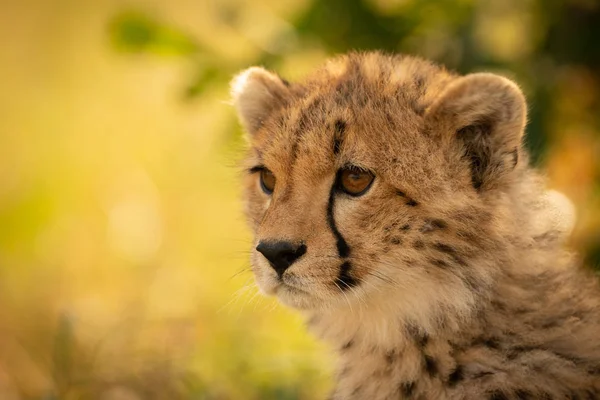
(289, 284)
(291, 289)
(294, 297)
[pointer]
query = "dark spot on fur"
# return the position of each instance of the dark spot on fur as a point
(285, 81)
(440, 224)
(456, 376)
(569, 357)
(396, 240)
(302, 124)
(523, 394)
(418, 244)
(491, 342)
(390, 356)
(440, 263)
(356, 390)
(345, 280)
(481, 374)
(340, 129)
(336, 146)
(523, 310)
(419, 109)
(430, 365)
(409, 202)
(472, 282)
(405, 227)
(551, 323)
(412, 330)
(497, 395)
(451, 251)
(595, 370)
(470, 237)
(407, 389)
(498, 305)
(444, 248)
(422, 339)
(415, 106)
(349, 344)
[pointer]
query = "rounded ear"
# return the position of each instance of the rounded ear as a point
(256, 92)
(486, 115)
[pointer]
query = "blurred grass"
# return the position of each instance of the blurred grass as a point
(123, 251)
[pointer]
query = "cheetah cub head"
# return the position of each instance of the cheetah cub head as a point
(380, 180)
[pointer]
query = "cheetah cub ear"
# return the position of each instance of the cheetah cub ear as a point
(256, 92)
(482, 115)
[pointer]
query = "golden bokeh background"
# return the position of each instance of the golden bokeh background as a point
(123, 249)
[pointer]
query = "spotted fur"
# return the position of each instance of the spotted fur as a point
(447, 278)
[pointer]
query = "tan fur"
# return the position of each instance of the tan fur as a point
(457, 287)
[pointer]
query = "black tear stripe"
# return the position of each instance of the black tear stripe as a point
(345, 280)
(342, 246)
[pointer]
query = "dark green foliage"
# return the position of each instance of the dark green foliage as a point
(137, 32)
(593, 254)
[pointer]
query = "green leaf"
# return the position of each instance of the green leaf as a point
(135, 32)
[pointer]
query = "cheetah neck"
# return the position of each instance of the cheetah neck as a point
(387, 358)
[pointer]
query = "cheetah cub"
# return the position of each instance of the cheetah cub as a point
(393, 205)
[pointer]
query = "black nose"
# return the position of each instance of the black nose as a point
(281, 254)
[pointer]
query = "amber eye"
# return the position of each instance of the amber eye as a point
(267, 181)
(355, 181)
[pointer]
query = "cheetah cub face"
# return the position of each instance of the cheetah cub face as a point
(375, 181)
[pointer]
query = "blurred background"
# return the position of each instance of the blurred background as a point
(123, 251)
